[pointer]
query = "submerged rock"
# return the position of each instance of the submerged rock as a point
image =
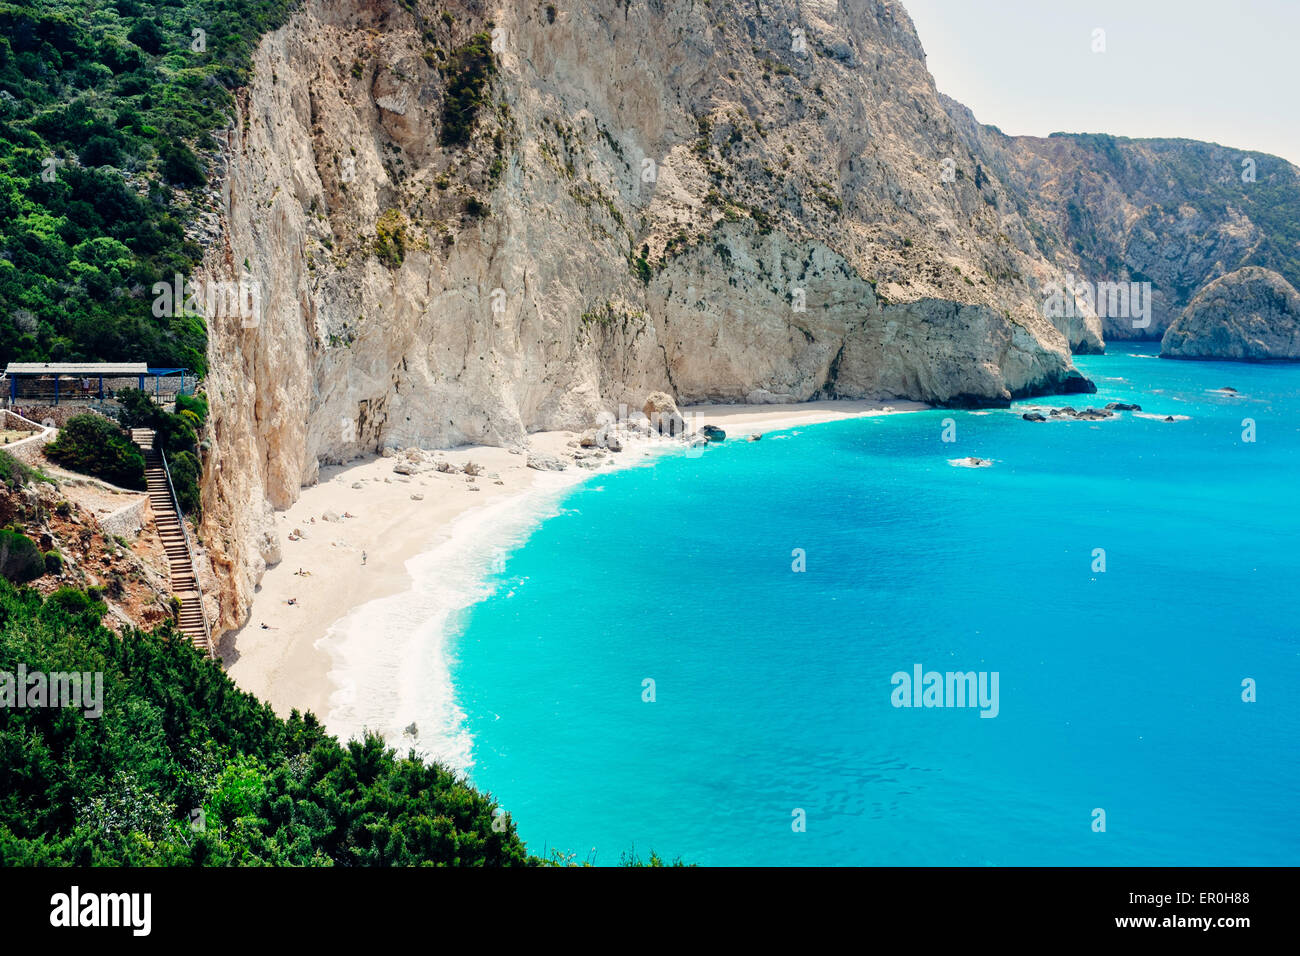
(713, 433)
(1034, 417)
(1123, 407)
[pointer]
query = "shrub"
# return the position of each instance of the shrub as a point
(138, 409)
(14, 472)
(390, 238)
(470, 68)
(53, 562)
(147, 35)
(171, 432)
(20, 559)
(184, 468)
(182, 167)
(117, 789)
(196, 404)
(74, 602)
(95, 446)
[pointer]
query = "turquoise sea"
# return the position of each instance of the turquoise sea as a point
(1119, 690)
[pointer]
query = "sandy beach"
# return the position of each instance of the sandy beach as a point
(337, 566)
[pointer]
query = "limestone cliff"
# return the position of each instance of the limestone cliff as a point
(468, 222)
(1175, 213)
(1250, 315)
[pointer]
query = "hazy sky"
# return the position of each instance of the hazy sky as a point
(1227, 72)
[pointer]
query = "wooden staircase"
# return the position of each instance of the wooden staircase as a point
(168, 518)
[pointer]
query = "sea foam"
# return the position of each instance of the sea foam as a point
(390, 660)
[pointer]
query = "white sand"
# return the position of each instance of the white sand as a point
(283, 663)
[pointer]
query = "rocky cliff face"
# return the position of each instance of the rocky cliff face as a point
(1251, 315)
(462, 244)
(1177, 214)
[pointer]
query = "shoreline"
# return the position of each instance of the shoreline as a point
(330, 652)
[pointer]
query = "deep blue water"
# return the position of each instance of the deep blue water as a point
(1119, 690)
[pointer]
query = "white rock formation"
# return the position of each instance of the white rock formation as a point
(656, 197)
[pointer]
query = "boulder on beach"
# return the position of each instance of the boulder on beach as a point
(713, 433)
(662, 412)
(756, 436)
(331, 516)
(545, 463)
(472, 468)
(588, 439)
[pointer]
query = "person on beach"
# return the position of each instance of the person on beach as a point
(363, 557)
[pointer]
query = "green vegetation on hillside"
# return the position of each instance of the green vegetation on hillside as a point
(20, 559)
(178, 742)
(175, 434)
(468, 71)
(106, 109)
(14, 472)
(1209, 178)
(93, 445)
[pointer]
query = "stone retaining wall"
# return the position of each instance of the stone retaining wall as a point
(125, 522)
(58, 414)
